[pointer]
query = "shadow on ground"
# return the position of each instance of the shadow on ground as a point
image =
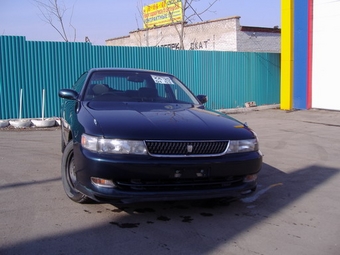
(191, 227)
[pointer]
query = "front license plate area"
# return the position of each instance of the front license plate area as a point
(188, 173)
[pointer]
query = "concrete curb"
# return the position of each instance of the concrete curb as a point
(248, 109)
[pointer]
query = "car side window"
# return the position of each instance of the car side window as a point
(80, 82)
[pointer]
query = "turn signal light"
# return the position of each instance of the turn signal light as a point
(102, 182)
(250, 178)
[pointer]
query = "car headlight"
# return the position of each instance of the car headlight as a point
(114, 146)
(236, 146)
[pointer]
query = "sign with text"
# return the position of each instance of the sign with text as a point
(162, 13)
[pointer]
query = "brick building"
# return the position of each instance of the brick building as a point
(221, 35)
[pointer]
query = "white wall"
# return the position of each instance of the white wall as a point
(258, 42)
(326, 55)
(220, 35)
(210, 35)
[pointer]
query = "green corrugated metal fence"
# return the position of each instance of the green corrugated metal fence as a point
(228, 78)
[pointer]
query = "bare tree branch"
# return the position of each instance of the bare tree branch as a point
(53, 13)
(70, 24)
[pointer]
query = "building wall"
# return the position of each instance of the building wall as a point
(258, 41)
(215, 35)
(310, 53)
(326, 55)
(221, 35)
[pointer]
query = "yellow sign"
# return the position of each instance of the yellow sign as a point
(162, 13)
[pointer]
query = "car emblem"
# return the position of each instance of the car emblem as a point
(189, 148)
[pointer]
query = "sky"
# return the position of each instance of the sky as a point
(105, 19)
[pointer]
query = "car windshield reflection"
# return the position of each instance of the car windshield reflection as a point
(137, 87)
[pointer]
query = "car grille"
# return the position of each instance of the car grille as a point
(186, 148)
(180, 184)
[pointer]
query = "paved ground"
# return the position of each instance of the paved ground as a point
(296, 209)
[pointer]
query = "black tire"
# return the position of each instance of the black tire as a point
(62, 142)
(68, 176)
(63, 146)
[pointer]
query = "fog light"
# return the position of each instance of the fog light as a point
(250, 178)
(102, 182)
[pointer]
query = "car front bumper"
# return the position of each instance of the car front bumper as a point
(144, 178)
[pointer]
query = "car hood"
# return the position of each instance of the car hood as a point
(164, 122)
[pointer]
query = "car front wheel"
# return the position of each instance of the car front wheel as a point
(68, 175)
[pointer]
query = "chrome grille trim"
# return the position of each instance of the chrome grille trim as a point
(167, 148)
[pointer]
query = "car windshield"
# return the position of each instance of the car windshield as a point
(137, 87)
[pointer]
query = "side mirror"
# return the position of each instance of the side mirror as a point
(202, 98)
(68, 94)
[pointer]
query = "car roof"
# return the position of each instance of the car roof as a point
(127, 70)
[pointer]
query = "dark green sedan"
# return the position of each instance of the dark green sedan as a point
(133, 135)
